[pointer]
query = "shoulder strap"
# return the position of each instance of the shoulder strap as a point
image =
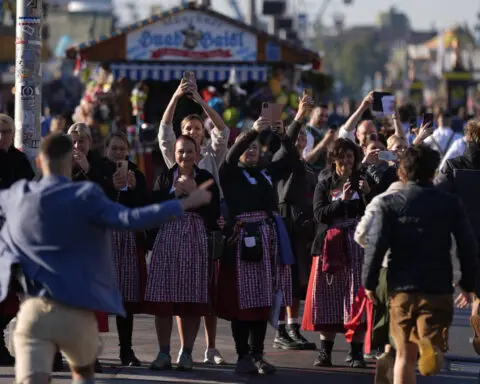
(449, 142)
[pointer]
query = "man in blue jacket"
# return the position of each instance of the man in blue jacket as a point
(55, 245)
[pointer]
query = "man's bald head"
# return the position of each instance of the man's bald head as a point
(366, 131)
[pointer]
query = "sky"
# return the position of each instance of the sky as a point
(422, 13)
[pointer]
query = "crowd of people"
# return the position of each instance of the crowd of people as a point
(345, 218)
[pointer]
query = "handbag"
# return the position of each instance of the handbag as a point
(252, 244)
(334, 253)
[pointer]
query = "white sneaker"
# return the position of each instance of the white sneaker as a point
(213, 356)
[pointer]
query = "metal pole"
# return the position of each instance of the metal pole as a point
(28, 76)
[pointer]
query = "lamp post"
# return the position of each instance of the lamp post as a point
(28, 76)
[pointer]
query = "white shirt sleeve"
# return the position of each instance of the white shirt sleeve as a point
(456, 149)
(166, 142)
(344, 134)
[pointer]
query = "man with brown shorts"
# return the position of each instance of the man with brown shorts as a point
(416, 225)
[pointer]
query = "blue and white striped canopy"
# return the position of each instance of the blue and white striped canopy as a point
(167, 72)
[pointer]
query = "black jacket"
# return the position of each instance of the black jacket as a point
(14, 166)
(416, 225)
(326, 211)
(470, 160)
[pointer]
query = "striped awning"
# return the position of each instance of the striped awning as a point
(212, 73)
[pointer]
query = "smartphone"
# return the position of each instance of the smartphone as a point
(266, 112)
(354, 181)
(308, 92)
(427, 118)
(122, 166)
(387, 156)
(378, 104)
(186, 75)
(275, 111)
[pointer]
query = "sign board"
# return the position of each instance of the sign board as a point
(191, 36)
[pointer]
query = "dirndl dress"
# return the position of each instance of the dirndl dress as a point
(130, 269)
(179, 271)
(331, 298)
(245, 289)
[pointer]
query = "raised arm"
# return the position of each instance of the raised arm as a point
(166, 135)
(304, 109)
(240, 146)
(347, 130)
(397, 124)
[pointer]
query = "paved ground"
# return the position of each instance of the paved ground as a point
(293, 366)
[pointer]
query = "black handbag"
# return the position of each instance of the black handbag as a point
(252, 249)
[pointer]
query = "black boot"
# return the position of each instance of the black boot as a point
(58, 362)
(324, 358)
(6, 360)
(357, 355)
(125, 330)
(293, 331)
(283, 340)
(98, 367)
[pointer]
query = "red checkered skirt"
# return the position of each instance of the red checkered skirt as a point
(129, 262)
(245, 291)
(330, 297)
(179, 267)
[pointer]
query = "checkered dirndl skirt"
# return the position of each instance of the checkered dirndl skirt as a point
(328, 306)
(245, 291)
(126, 264)
(179, 267)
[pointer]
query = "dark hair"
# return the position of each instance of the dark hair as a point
(119, 135)
(56, 146)
(340, 147)
(419, 163)
(187, 138)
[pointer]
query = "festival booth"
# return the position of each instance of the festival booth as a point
(191, 38)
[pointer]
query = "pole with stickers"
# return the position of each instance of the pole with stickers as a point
(28, 76)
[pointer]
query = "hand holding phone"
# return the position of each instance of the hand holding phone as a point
(387, 156)
(427, 118)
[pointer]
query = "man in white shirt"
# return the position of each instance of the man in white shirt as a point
(456, 149)
(443, 137)
(366, 131)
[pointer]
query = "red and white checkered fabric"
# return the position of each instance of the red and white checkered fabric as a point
(255, 280)
(178, 270)
(125, 261)
(334, 294)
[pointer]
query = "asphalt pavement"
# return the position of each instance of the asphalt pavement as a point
(293, 366)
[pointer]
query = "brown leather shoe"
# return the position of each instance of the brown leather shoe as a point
(475, 323)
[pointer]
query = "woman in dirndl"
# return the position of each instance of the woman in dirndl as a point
(124, 183)
(334, 297)
(181, 271)
(254, 274)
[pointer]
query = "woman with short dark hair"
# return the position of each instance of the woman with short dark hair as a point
(181, 269)
(335, 279)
